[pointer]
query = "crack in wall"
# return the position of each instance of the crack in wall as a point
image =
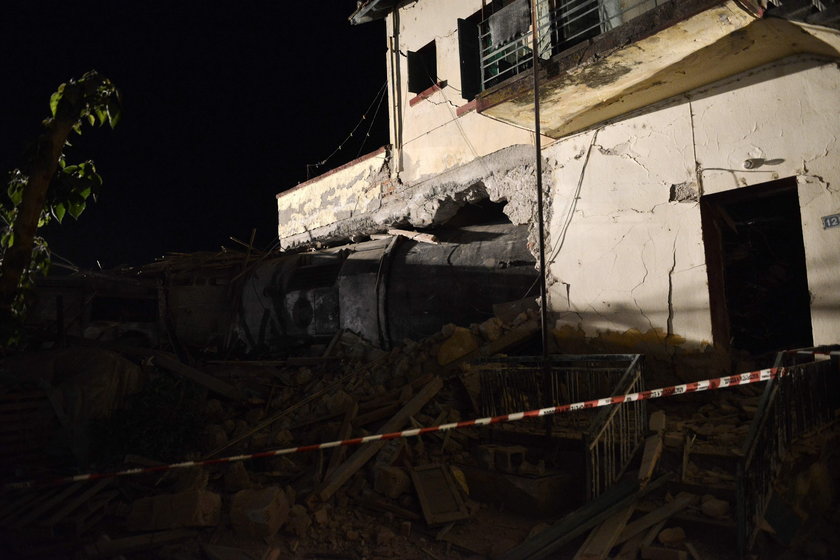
(642, 281)
(670, 321)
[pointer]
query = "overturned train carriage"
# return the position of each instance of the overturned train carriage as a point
(386, 290)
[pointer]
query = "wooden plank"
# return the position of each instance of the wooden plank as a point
(692, 551)
(613, 500)
(652, 533)
(547, 542)
(656, 516)
(33, 514)
(415, 235)
(377, 414)
(344, 431)
(601, 540)
(650, 457)
(110, 548)
(630, 549)
(172, 364)
(364, 453)
(77, 501)
(654, 445)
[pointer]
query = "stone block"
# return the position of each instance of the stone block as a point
(237, 477)
(194, 508)
(491, 329)
(714, 507)
(459, 344)
(672, 536)
(197, 508)
(390, 481)
(299, 521)
(260, 512)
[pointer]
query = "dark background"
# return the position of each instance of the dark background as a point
(224, 105)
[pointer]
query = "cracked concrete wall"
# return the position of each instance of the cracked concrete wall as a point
(434, 138)
(625, 249)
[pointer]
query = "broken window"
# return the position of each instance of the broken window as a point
(422, 68)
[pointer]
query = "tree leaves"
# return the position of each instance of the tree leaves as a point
(90, 100)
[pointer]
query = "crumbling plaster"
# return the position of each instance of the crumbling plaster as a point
(333, 204)
(623, 257)
(361, 199)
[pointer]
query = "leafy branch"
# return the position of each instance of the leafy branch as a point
(46, 187)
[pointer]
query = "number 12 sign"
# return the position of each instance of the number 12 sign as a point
(831, 221)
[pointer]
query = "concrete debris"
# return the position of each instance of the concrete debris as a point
(196, 508)
(460, 343)
(260, 512)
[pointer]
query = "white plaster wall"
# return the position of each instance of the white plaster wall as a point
(621, 256)
(328, 199)
(629, 258)
(433, 138)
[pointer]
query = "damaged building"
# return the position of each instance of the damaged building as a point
(375, 388)
(689, 156)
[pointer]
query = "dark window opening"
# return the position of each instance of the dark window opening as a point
(422, 68)
(469, 51)
(755, 256)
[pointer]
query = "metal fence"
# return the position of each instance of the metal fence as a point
(611, 435)
(800, 401)
(505, 36)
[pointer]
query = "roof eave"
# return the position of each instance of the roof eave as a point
(371, 10)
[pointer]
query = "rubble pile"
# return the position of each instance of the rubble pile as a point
(475, 492)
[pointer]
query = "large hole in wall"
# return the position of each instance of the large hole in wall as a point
(482, 211)
(755, 255)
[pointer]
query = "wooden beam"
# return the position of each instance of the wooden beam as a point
(415, 236)
(111, 548)
(656, 516)
(343, 433)
(364, 453)
(601, 540)
(650, 457)
(172, 364)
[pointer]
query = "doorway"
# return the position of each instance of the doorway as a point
(755, 256)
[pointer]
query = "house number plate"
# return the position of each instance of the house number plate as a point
(831, 221)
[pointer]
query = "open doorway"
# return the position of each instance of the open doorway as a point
(755, 256)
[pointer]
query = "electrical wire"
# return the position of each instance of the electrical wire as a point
(372, 120)
(379, 96)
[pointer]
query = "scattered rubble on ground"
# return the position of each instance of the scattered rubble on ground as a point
(468, 493)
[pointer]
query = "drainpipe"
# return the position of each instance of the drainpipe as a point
(538, 156)
(395, 94)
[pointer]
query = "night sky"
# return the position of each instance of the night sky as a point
(224, 104)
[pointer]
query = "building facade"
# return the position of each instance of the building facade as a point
(691, 170)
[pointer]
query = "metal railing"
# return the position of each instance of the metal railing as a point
(800, 401)
(616, 433)
(610, 435)
(561, 25)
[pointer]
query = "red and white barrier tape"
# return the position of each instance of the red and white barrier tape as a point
(696, 387)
